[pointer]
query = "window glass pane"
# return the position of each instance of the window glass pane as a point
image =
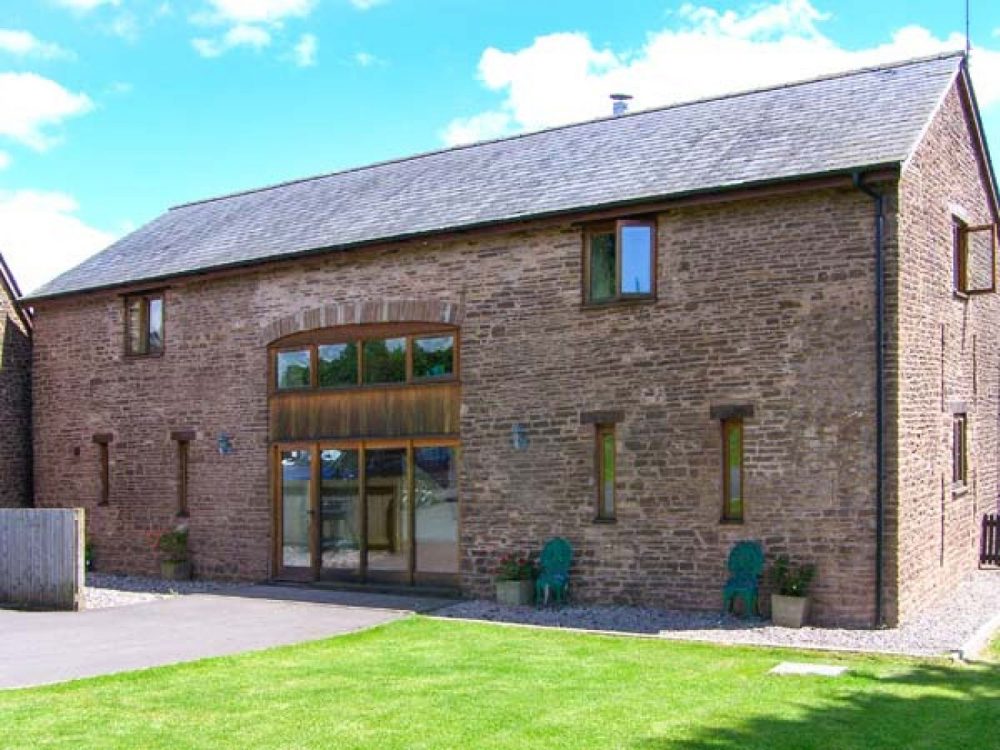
(602, 266)
(385, 361)
(340, 510)
(136, 344)
(293, 369)
(734, 458)
(608, 475)
(637, 260)
(338, 365)
(155, 325)
(296, 478)
(388, 511)
(433, 357)
(436, 497)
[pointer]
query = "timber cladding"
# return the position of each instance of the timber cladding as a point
(765, 304)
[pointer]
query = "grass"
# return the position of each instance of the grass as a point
(424, 683)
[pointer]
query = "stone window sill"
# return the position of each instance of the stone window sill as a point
(958, 489)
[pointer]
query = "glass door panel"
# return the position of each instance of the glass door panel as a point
(388, 510)
(296, 492)
(340, 513)
(436, 510)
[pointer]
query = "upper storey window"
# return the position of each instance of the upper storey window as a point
(144, 324)
(620, 262)
(975, 257)
(370, 361)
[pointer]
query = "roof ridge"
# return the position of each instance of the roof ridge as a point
(583, 123)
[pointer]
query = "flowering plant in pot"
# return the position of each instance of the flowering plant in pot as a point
(175, 563)
(515, 579)
(790, 600)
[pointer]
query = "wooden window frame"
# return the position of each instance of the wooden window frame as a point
(145, 299)
(960, 249)
(729, 424)
(103, 443)
(183, 440)
(359, 341)
(601, 432)
(616, 228)
(959, 450)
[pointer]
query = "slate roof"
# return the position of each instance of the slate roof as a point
(860, 119)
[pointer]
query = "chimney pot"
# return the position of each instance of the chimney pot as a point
(619, 103)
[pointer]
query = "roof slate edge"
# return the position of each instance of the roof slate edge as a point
(152, 281)
(958, 54)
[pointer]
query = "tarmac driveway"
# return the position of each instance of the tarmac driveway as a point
(37, 648)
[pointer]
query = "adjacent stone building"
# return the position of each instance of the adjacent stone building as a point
(15, 394)
(654, 334)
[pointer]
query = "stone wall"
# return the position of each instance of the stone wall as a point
(15, 403)
(949, 355)
(763, 301)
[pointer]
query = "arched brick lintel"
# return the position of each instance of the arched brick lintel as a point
(365, 311)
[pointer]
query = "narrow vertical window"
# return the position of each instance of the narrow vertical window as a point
(104, 468)
(732, 469)
(959, 449)
(144, 324)
(606, 472)
(183, 449)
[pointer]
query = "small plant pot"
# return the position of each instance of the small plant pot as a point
(515, 593)
(175, 571)
(789, 611)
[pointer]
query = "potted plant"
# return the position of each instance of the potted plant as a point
(515, 580)
(790, 600)
(88, 557)
(175, 565)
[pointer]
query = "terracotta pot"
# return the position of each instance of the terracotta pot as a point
(515, 593)
(175, 571)
(789, 611)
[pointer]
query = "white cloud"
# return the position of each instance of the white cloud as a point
(305, 51)
(32, 104)
(4, 160)
(562, 77)
(238, 36)
(366, 59)
(41, 236)
(84, 6)
(366, 4)
(125, 26)
(255, 11)
(26, 44)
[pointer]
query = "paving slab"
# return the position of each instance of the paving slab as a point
(38, 648)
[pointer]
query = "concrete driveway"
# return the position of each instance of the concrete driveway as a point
(37, 648)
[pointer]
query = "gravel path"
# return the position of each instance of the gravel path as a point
(118, 591)
(941, 630)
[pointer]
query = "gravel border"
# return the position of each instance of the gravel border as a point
(942, 630)
(103, 591)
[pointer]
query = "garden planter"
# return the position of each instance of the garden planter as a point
(789, 611)
(514, 593)
(175, 571)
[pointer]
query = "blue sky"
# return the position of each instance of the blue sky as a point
(113, 110)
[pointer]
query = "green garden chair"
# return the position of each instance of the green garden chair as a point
(746, 562)
(553, 571)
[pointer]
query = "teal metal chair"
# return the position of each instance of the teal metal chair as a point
(553, 571)
(746, 563)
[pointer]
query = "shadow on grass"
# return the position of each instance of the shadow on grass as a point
(923, 706)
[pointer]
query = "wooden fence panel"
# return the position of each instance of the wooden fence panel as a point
(41, 558)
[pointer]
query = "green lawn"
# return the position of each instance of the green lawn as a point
(423, 683)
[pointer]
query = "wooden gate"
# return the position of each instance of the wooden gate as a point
(989, 546)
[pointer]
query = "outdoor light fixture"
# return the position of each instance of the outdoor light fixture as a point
(519, 437)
